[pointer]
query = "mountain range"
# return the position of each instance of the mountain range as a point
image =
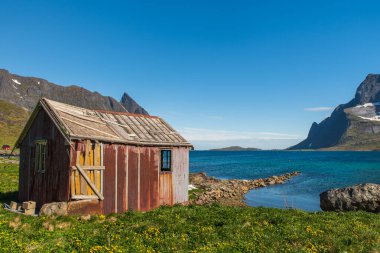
(351, 126)
(26, 91)
(20, 94)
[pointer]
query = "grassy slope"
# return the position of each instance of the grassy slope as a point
(187, 229)
(359, 139)
(12, 120)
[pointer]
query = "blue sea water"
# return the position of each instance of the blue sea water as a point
(320, 171)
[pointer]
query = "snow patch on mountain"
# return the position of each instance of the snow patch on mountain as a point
(16, 81)
(375, 118)
(368, 105)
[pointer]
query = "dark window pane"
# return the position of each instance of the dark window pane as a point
(40, 156)
(165, 160)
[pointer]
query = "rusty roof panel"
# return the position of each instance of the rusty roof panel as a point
(129, 128)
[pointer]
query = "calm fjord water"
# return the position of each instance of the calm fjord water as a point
(321, 170)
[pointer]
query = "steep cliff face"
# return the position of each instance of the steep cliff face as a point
(132, 105)
(352, 126)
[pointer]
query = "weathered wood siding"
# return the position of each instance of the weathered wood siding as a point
(149, 162)
(180, 160)
(109, 192)
(121, 191)
(131, 177)
(53, 184)
(166, 188)
(86, 153)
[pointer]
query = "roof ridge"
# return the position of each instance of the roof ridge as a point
(128, 114)
(103, 111)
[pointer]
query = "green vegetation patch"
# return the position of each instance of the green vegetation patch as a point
(12, 121)
(193, 194)
(8, 182)
(189, 229)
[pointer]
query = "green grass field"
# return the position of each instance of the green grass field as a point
(187, 229)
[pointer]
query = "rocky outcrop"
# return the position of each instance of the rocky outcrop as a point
(364, 197)
(352, 126)
(229, 192)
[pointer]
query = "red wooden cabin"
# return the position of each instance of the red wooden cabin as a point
(101, 161)
(6, 147)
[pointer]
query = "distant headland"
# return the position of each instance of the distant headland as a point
(235, 148)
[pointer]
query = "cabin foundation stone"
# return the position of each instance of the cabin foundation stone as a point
(55, 208)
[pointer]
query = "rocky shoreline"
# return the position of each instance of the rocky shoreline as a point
(211, 190)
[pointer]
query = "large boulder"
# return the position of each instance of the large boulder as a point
(54, 208)
(364, 197)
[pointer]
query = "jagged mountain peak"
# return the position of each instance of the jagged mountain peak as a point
(133, 107)
(369, 90)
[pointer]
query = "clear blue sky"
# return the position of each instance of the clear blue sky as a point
(221, 72)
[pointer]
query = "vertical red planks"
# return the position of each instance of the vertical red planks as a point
(133, 183)
(109, 159)
(149, 196)
(144, 179)
(154, 177)
(121, 179)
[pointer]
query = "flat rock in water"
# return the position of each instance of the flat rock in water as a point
(364, 197)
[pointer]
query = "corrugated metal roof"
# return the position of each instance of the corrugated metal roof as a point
(119, 127)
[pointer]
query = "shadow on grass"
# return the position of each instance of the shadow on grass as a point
(7, 197)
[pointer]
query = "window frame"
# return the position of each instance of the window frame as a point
(40, 155)
(170, 161)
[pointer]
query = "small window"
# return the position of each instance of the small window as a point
(40, 156)
(166, 160)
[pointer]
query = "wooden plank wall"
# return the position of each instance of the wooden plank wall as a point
(130, 177)
(53, 184)
(133, 181)
(180, 161)
(133, 178)
(121, 192)
(86, 153)
(166, 188)
(109, 203)
(149, 162)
